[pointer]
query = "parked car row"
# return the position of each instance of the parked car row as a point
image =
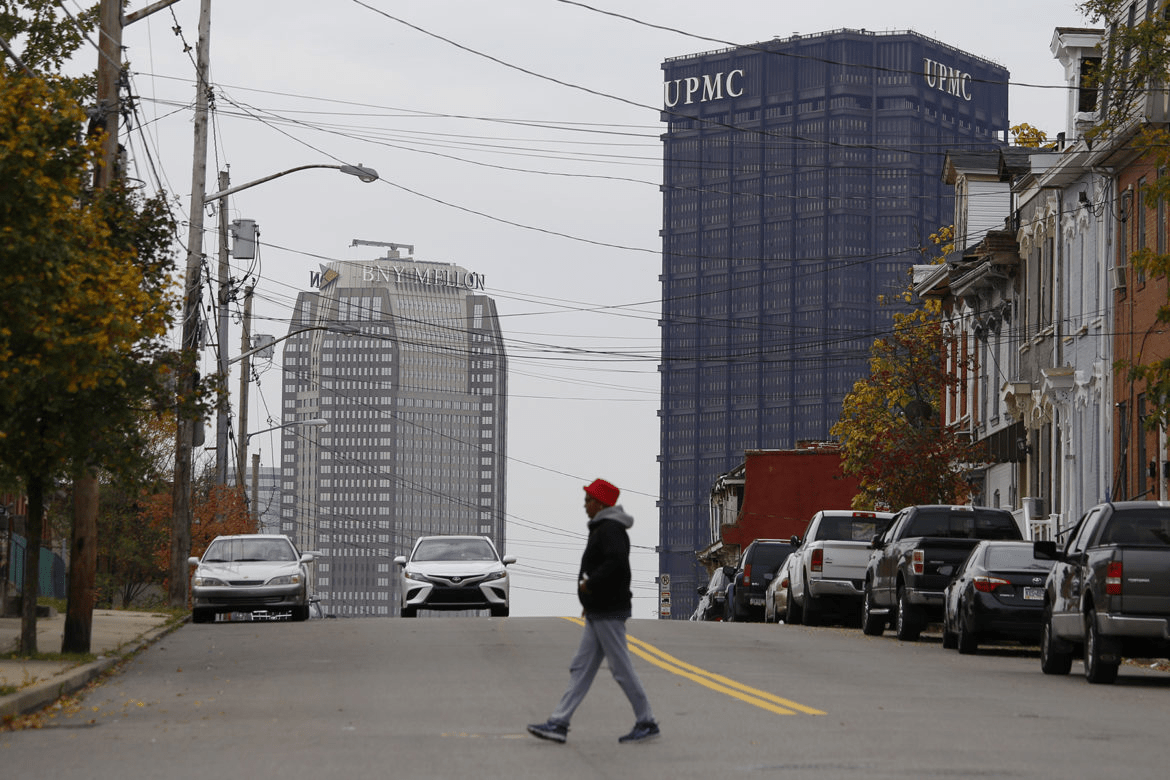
(1103, 593)
(737, 593)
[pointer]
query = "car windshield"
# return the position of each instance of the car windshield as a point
(454, 550)
(1143, 527)
(241, 550)
(768, 557)
(1014, 558)
(851, 529)
(964, 524)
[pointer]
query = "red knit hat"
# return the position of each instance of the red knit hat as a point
(603, 492)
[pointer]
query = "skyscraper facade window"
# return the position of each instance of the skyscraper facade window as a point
(405, 362)
(802, 177)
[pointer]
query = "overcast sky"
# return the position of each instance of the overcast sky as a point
(518, 139)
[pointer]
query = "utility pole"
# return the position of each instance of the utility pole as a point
(245, 380)
(185, 417)
(83, 536)
(225, 290)
(254, 510)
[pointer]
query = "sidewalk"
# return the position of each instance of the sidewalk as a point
(114, 634)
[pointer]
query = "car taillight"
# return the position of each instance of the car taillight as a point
(784, 583)
(818, 560)
(1113, 579)
(747, 572)
(987, 584)
(918, 562)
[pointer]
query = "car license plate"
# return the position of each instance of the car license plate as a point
(756, 602)
(1033, 594)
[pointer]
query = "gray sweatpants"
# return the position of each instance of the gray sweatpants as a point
(603, 638)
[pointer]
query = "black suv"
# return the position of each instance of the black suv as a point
(757, 566)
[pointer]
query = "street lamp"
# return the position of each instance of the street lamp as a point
(222, 432)
(366, 175)
(185, 416)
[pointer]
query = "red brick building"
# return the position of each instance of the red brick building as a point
(1139, 338)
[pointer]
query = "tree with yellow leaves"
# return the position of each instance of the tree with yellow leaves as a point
(892, 437)
(84, 308)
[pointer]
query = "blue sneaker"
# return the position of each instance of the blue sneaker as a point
(642, 732)
(553, 732)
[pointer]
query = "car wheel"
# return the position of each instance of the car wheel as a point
(949, 640)
(1052, 660)
(968, 641)
(795, 613)
(410, 612)
(500, 611)
(1097, 669)
(871, 624)
(907, 621)
(300, 613)
(202, 616)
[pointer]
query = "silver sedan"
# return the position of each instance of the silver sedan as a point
(250, 573)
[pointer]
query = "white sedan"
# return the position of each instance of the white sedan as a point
(454, 573)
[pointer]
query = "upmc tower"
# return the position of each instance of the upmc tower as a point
(801, 178)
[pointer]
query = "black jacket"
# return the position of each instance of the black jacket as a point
(605, 565)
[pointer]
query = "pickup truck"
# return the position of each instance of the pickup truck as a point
(914, 559)
(828, 569)
(1109, 590)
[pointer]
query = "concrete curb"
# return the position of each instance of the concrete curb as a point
(38, 695)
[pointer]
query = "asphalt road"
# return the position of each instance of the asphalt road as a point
(449, 698)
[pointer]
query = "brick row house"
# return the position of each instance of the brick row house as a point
(1042, 304)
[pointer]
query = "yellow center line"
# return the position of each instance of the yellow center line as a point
(716, 682)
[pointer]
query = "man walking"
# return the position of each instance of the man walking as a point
(603, 588)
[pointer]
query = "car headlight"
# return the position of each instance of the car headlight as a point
(414, 575)
(201, 582)
(287, 579)
(497, 575)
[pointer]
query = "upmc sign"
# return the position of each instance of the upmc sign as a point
(700, 89)
(946, 79)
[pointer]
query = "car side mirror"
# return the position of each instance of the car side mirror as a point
(508, 560)
(795, 541)
(192, 561)
(400, 560)
(702, 589)
(876, 542)
(1045, 550)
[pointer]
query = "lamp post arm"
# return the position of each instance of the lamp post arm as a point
(314, 423)
(238, 187)
(365, 174)
(262, 347)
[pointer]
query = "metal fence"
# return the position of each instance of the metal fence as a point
(52, 581)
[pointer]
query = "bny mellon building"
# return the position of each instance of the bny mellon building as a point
(404, 361)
